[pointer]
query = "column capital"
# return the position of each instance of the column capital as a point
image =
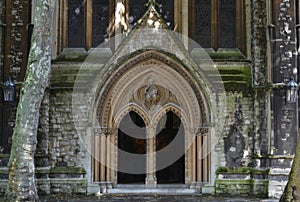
(201, 131)
(104, 131)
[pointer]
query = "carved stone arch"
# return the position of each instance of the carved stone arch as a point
(131, 107)
(139, 62)
(176, 110)
(116, 96)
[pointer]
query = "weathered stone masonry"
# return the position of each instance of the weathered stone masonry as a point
(245, 162)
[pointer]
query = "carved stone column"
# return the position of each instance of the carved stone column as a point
(185, 20)
(189, 157)
(151, 157)
(104, 152)
(114, 156)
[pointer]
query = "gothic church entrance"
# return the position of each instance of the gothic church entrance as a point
(152, 112)
(132, 139)
(169, 140)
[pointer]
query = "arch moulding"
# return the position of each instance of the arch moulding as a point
(151, 83)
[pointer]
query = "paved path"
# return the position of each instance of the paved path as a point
(149, 198)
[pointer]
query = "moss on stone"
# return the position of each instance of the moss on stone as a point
(227, 55)
(236, 77)
(233, 181)
(42, 171)
(67, 170)
(3, 171)
(4, 156)
(238, 187)
(241, 170)
(56, 170)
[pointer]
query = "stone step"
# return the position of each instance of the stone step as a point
(165, 191)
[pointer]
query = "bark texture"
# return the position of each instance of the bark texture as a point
(292, 189)
(21, 185)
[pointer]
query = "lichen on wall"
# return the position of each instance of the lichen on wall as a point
(235, 142)
(237, 134)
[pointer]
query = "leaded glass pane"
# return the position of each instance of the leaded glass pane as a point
(100, 21)
(227, 36)
(202, 18)
(165, 8)
(75, 23)
(136, 10)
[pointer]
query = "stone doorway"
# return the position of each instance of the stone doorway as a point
(152, 87)
(132, 140)
(170, 141)
(169, 144)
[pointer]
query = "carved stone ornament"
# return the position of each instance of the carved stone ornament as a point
(201, 131)
(151, 94)
(104, 131)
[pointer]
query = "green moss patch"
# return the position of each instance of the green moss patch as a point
(241, 170)
(241, 187)
(236, 77)
(62, 170)
(227, 55)
(67, 170)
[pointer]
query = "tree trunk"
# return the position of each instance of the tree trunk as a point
(292, 189)
(21, 184)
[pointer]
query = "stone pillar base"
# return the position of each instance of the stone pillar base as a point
(104, 186)
(197, 186)
(151, 182)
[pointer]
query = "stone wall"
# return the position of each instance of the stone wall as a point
(59, 149)
(17, 18)
(1, 39)
(243, 144)
(64, 145)
(238, 130)
(242, 181)
(260, 77)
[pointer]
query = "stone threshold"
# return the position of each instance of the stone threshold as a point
(160, 189)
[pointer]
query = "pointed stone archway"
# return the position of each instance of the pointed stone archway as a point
(151, 73)
(132, 140)
(170, 142)
(152, 83)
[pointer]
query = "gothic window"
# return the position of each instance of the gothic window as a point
(211, 23)
(75, 23)
(218, 23)
(165, 8)
(101, 17)
(83, 23)
(136, 10)
(227, 24)
(202, 29)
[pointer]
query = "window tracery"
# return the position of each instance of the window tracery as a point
(211, 23)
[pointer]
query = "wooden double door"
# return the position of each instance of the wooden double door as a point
(169, 147)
